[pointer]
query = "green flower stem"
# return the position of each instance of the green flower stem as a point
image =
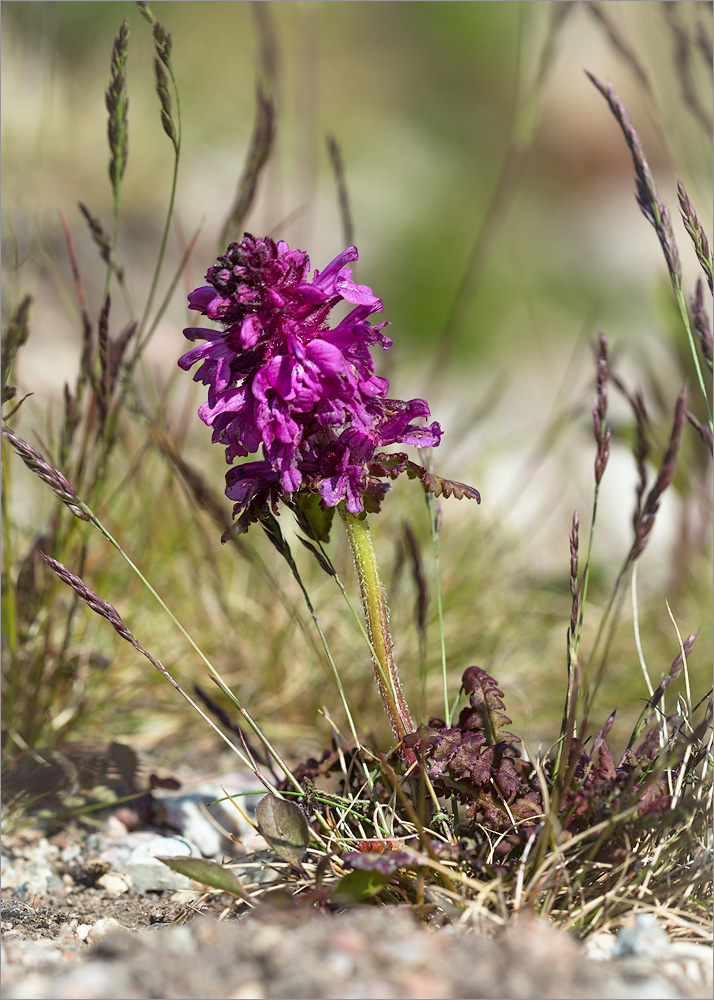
(376, 614)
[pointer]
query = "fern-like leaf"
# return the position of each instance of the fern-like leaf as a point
(438, 486)
(487, 712)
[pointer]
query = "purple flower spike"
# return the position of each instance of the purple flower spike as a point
(283, 382)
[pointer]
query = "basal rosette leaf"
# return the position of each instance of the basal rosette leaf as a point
(476, 760)
(487, 708)
(284, 826)
(358, 885)
(207, 872)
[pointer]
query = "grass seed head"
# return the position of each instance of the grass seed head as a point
(59, 484)
(93, 600)
(702, 327)
(601, 430)
(162, 89)
(644, 520)
(696, 232)
(653, 208)
(574, 588)
(102, 240)
(117, 102)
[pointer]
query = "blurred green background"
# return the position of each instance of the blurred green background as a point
(493, 203)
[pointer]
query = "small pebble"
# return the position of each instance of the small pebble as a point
(114, 884)
(102, 927)
(149, 875)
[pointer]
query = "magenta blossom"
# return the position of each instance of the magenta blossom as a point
(282, 382)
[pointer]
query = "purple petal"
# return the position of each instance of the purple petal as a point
(250, 331)
(199, 298)
(244, 481)
(326, 356)
(357, 294)
(279, 375)
(291, 479)
(398, 426)
(189, 359)
(375, 385)
(203, 333)
(312, 294)
(346, 485)
(327, 277)
(218, 307)
(230, 401)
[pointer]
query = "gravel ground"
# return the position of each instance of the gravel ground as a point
(95, 916)
(366, 953)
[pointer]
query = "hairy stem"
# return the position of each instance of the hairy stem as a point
(376, 614)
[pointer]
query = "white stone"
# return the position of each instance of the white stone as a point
(149, 875)
(208, 822)
(102, 927)
(114, 884)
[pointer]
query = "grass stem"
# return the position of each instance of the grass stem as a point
(434, 526)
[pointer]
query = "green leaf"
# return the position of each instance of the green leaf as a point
(208, 872)
(279, 899)
(358, 885)
(314, 519)
(284, 826)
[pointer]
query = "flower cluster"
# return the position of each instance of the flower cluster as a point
(281, 381)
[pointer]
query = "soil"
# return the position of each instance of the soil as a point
(65, 935)
(369, 952)
(30, 920)
(60, 944)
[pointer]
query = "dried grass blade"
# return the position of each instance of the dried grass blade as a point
(258, 152)
(338, 169)
(16, 334)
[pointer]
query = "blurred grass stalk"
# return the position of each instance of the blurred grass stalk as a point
(657, 213)
(106, 371)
